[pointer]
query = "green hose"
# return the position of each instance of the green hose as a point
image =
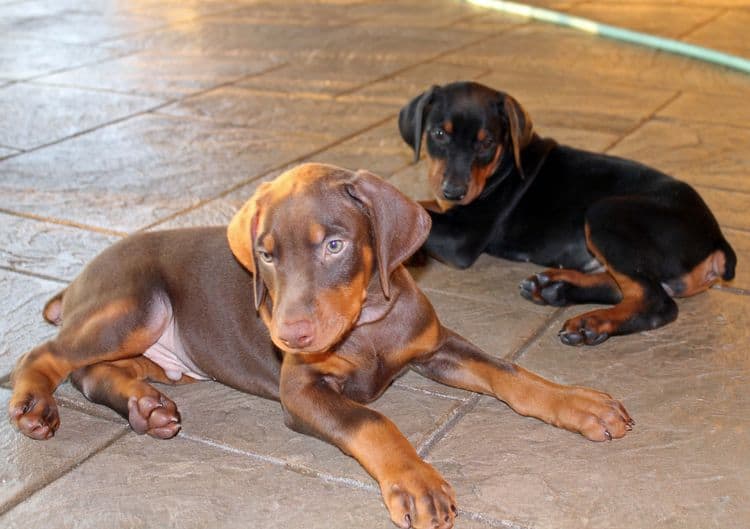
(613, 32)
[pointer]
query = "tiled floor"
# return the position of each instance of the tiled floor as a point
(123, 115)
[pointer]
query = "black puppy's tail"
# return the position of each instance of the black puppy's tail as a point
(730, 260)
(52, 311)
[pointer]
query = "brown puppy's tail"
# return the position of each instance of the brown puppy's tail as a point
(52, 311)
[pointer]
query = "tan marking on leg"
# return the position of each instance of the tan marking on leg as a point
(580, 279)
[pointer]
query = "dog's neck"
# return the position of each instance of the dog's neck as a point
(376, 306)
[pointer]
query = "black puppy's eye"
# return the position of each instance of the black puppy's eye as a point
(265, 256)
(439, 135)
(485, 144)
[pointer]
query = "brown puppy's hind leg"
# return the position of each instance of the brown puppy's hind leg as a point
(92, 332)
(121, 386)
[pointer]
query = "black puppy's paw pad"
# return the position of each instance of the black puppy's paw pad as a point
(581, 335)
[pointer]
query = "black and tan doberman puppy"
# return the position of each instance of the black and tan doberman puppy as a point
(306, 302)
(615, 231)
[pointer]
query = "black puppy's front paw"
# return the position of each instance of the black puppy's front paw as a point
(540, 289)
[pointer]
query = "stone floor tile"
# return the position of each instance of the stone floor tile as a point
(225, 36)
(482, 303)
(700, 153)
(48, 249)
(581, 58)
(658, 18)
(162, 76)
(414, 14)
(21, 323)
(58, 23)
(23, 58)
(140, 482)
(282, 114)
(35, 114)
(604, 107)
(726, 33)
(740, 241)
(379, 150)
(150, 167)
(683, 466)
(401, 88)
(704, 108)
(324, 75)
(489, 22)
(4, 152)
(217, 35)
(218, 414)
(729, 207)
(319, 15)
(28, 465)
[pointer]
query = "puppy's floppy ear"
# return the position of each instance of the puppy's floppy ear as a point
(241, 233)
(520, 128)
(399, 225)
(412, 117)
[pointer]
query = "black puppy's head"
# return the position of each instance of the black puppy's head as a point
(471, 131)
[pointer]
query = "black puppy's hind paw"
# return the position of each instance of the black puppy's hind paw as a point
(540, 289)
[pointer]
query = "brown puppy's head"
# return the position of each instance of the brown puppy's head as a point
(320, 241)
(471, 131)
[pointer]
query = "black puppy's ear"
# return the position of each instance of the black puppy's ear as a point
(399, 225)
(412, 117)
(520, 128)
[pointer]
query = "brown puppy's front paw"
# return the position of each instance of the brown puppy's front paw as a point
(156, 416)
(35, 416)
(593, 414)
(584, 330)
(419, 498)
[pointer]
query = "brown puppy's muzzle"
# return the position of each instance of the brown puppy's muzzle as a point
(296, 334)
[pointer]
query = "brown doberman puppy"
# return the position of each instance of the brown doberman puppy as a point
(316, 311)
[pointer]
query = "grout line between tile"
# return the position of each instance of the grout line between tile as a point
(25, 495)
(35, 274)
(428, 60)
(671, 99)
(265, 173)
(447, 425)
(151, 110)
(63, 222)
(488, 520)
(514, 356)
(718, 14)
(401, 385)
(299, 469)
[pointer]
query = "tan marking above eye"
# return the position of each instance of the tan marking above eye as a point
(448, 127)
(268, 243)
(482, 134)
(316, 233)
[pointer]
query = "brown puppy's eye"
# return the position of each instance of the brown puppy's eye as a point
(265, 256)
(334, 246)
(439, 135)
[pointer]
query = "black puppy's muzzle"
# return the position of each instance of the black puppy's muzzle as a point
(452, 191)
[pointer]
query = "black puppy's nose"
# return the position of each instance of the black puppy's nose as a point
(453, 192)
(297, 334)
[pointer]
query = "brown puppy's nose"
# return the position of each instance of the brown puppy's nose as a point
(297, 334)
